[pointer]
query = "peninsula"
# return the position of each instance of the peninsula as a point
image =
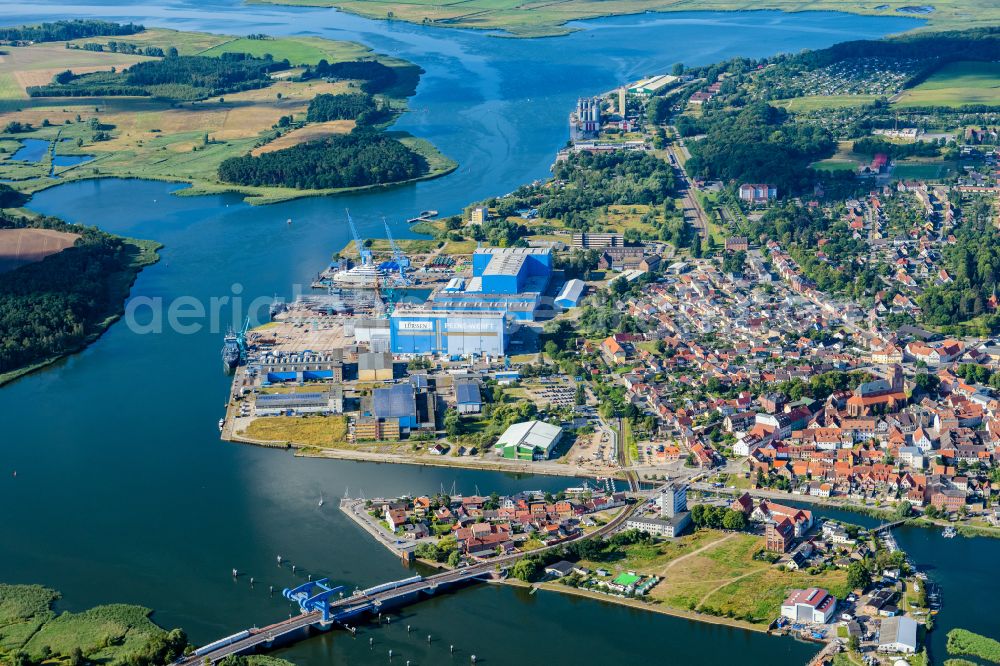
(256, 115)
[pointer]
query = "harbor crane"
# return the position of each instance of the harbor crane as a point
(241, 340)
(363, 252)
(397, 253)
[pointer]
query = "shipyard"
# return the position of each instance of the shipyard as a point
(390, 345)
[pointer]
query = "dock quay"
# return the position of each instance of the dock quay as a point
(354, 509)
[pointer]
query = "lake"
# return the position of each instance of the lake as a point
(125, 493)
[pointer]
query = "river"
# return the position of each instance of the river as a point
(123, 491)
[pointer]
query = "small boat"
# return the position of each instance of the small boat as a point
(949, 532)
(222, 423)
(321, 499)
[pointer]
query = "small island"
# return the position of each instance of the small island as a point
(91, 99)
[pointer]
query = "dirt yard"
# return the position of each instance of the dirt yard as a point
(307, 133)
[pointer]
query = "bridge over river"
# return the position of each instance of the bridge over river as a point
(321, 612)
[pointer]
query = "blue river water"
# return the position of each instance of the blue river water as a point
(123, 491)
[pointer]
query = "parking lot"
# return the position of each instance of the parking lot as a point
(557, 396)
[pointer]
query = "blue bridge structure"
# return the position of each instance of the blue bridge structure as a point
(313, 596)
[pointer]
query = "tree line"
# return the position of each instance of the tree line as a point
(376, 77)
(125, 47)
(58, 31)
(871, 145)
(360, 107)
(363, 157)
(181, 77)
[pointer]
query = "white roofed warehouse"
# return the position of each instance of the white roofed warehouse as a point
(898, 634)
(531, 440)
(569, 296)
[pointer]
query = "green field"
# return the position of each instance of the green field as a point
(714, 572)
(9, 87)
(816, 102)
(186, 43)
(957, 84)
(834, 164)
(922, 170)
(298, 50)
(533, 19)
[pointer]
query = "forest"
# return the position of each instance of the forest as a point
(377, 77)
(361, 158)
(619, 177)
(58, 31)
(360, 107)
(50, 307)
(180, 78)
(758, 144)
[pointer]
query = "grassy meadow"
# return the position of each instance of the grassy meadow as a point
(819, 102)
(957, 84)
(315, 431)
(110, 634)
(714, 572)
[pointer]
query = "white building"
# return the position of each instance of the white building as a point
(814, 605)
(673, 500)
(657, 527)
(898, 634)
(530, 440)
(913, 456)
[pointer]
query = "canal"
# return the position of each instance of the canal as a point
(123, 491)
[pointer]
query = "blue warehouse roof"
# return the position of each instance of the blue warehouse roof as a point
(467, 393)
(394, 402)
